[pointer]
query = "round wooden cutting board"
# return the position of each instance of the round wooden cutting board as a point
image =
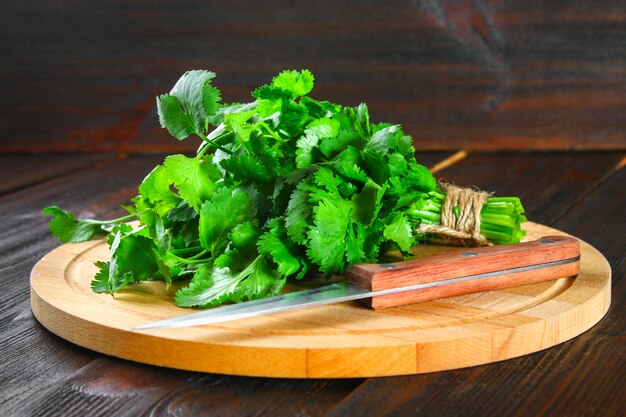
(332, 341)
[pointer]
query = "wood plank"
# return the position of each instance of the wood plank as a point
(548, 183)
(590, 379)
(20, 171)
(48, 375)
(234, 396)
(582, 377)
(33, 358)
(110, 387)
(107, 387)
(86, 200)
(475, 75)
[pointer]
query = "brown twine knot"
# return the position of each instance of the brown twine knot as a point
(463, 229)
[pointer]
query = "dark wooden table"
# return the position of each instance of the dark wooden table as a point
(41, 374)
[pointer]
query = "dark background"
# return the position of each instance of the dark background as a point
(82, 76)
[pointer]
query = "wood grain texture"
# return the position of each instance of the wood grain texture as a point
(32, 359)
(581, 377)
(456, 74)
(578, 192)
(20, 171)
(339, 340)
(465, 263)
(44, 376)
(111, 387)
(548, 183)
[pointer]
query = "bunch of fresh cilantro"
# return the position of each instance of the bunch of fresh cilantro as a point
(281, 187)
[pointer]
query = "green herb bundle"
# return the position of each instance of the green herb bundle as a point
(280, 188)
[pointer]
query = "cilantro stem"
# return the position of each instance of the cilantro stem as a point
(186, 250)
(199, 255)
(270, 131)
(193, 259)
(213, 143)
(500, 216)
(113, 221)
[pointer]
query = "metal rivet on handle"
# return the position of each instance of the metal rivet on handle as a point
(387, 266)
(546, 241)
(469, 254)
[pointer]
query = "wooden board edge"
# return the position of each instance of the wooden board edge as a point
(346, 362)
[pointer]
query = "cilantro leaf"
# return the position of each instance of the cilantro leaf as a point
(292, 118)
(328, 234)
(245, 235)
(192, 90)
(275, 244)
(304, 154)
(190, 105)
(398, 165)
(213, 286)
(373, 236)
(299, 214)
(100, 282)
(318, 109)
(383, 140)
(136, 255)
(336, 144)
(262, 281)
(323, 128)
(355, 244)
(194, 178)
(419, 178)
(219, 215)
(183, 221)
(297, 83)
(173, 117)
(363, 119)
(181, 213)
(348, 164)
(68, 229)
(211, 98)
(367, 204)
(208, 287)
(376, 165)
(314, 132)
(155, 193)
(399, 230)
(270, 92)
(109, 278)
(245, 167)
(238, 123)
(156, 228)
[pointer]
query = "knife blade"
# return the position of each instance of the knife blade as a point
(389, 285)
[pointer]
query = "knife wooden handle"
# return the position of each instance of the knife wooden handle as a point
(545, 259)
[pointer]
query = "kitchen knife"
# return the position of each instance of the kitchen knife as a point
(395, 284)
